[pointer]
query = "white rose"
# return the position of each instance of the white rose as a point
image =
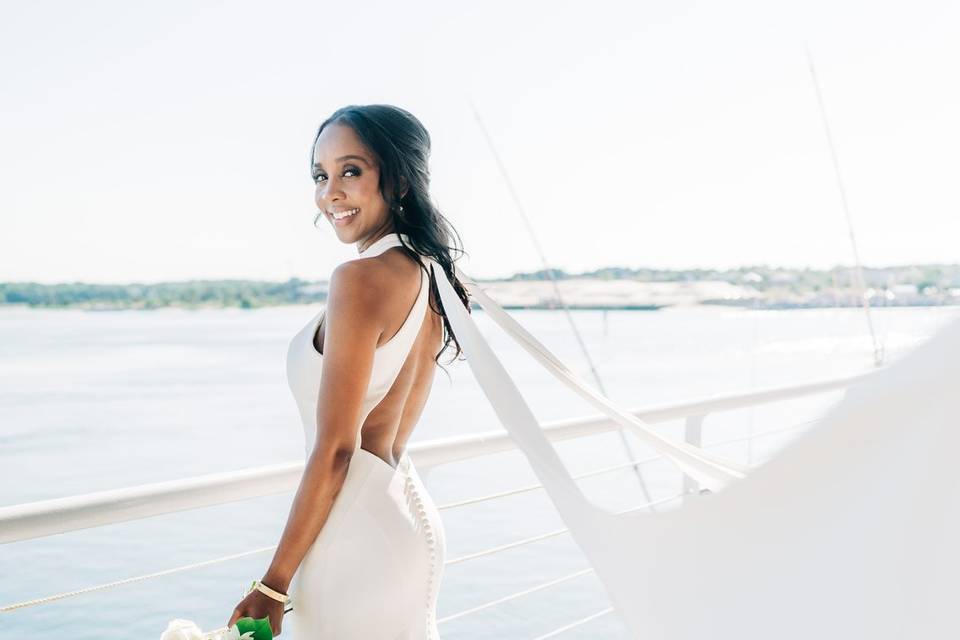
(233, 633)
(182, 630)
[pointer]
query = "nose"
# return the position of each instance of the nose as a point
(330, 190)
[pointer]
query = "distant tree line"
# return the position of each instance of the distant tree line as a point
(762, 277)
(251, 294)
(191, 294)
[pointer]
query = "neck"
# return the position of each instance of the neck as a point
(369, 243)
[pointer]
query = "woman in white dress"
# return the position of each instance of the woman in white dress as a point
(362, 553)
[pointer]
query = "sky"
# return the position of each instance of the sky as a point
(148, 142)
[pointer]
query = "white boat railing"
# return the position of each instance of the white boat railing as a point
(61, 515)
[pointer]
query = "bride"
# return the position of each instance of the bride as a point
(362, 552)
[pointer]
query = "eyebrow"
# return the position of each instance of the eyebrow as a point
(347, 157)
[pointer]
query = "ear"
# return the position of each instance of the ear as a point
(403, 186)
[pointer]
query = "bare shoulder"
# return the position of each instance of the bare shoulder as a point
(355, 286)
(397, 275)
(373, 286)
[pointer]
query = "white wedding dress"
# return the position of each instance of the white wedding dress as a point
(848, 532)
(375, 568)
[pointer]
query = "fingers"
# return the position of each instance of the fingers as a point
(233, 618)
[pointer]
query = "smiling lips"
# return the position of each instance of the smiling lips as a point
(340, 215)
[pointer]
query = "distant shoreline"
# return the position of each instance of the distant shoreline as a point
(610, 289)
(767, 306)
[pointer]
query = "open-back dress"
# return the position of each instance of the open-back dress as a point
(374, 570)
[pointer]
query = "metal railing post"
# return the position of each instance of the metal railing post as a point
(692, 434)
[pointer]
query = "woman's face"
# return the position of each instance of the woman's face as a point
(348, 180)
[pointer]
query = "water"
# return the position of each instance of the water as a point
(99, 400)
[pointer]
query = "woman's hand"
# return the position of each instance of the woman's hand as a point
(258, 605)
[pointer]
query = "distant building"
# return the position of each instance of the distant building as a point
(904, 289)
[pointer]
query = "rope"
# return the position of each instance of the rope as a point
(762, 434)
(204, 563)
(550, 534)
(858, 269)
(117, 583)
(514, 596)
(556, 286)
(579, 622)
(534, 487)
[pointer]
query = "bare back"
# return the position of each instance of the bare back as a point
(389, 425)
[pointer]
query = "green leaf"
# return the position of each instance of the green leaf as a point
(260, 627)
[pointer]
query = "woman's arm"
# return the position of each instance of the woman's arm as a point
(352, 327)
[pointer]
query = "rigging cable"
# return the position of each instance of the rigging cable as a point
(878, 349)
(556, 286)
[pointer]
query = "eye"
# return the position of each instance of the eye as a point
(353, 170)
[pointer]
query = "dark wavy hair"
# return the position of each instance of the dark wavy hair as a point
(400, 145)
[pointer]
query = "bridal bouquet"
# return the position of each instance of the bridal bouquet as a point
(242, 629)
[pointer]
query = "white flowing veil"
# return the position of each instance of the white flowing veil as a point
(847, 533)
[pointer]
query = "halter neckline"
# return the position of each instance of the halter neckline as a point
(383, 243)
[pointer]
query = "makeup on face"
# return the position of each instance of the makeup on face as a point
(347, 184)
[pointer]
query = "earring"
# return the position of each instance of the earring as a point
(317, 217)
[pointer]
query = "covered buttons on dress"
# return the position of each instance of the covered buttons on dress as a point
(419, 513)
